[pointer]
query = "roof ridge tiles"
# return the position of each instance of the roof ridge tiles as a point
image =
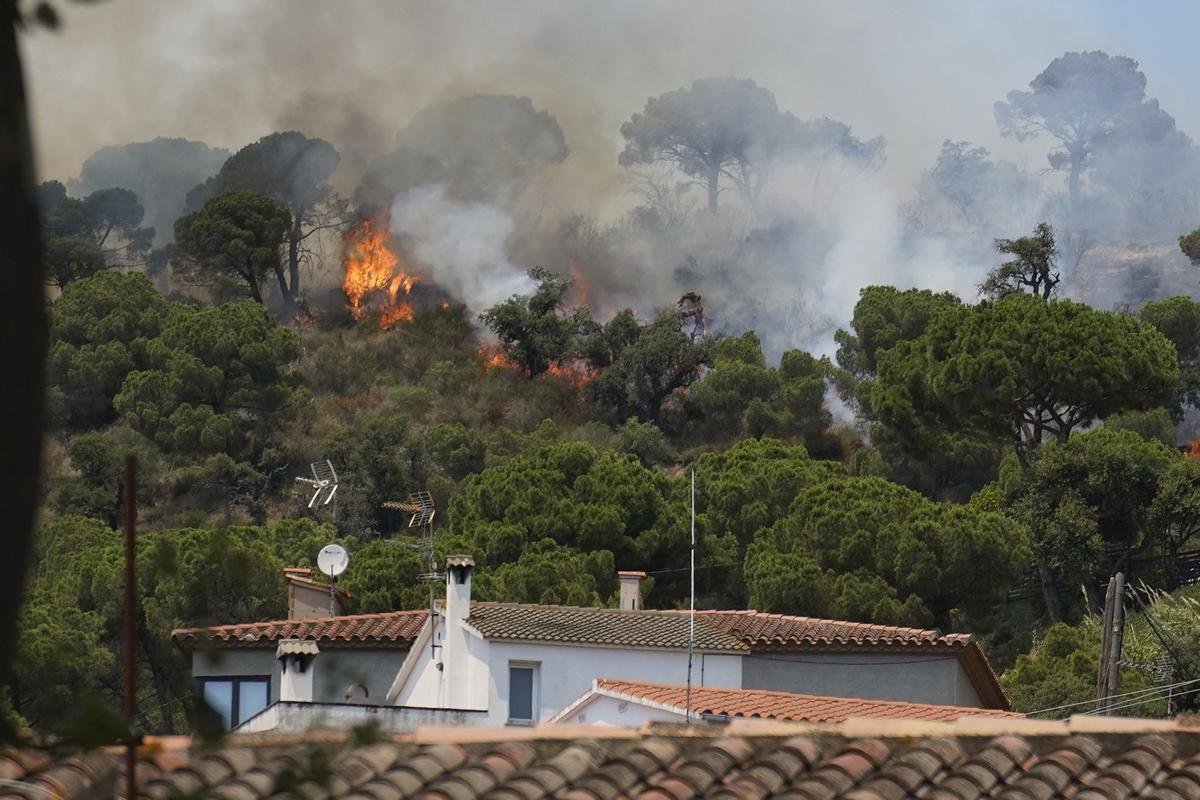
(307, 621)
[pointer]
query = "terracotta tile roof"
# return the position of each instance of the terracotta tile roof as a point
(603, 626)
(762, 704)
(388, 629)
(758, 628)
(1088, 759)
(715, 630)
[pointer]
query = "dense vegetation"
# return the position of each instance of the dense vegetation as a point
(996, 460)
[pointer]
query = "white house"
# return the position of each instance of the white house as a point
(632, 704)
(523, 664)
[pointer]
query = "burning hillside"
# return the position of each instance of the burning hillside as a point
(376, 278)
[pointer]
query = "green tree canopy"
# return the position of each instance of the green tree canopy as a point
(219, 380)
(294, 170)
(1178, 318)
(79, 233)
(866, 549)
(648, 372)
(1060, 671)
(549, 573)
(741, 396)
(1031, 267)
(235, 235)
(587, 500)
(538, 330)
(1093, 497)
(923, 455)
(101, 330)
(740, 492)
(1021, 369)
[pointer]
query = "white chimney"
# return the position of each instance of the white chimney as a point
(631, 590)
(458, 587)
(296, 661)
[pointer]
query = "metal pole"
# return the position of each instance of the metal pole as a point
(692, 611)
(130, 699)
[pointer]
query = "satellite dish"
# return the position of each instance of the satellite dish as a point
(333, 560)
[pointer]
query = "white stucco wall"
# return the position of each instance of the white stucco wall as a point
(334, 670)
(566, 672)
(610, 712)
(935, 678)
(454, 675)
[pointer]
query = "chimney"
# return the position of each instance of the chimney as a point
(458, 586)
(296, 657)
(308, 599)
(631, 590)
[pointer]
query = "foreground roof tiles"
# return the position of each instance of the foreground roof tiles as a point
(391, 629)
(762, 704)
(1088, 759)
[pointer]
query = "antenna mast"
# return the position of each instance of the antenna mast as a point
(692, 612)
(422, 510)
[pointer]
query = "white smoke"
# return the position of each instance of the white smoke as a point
(462, 245)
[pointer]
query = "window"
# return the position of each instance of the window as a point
(236, 699)
(522, 693)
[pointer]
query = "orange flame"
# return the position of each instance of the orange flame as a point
(582, 290)
(576, 371)
(372, 268)
(494, 357)
(1193, 449)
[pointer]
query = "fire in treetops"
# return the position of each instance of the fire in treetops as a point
(376, 277)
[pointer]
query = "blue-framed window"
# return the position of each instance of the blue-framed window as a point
(236, 699)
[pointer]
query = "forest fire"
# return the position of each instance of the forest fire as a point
(1193, 449)
(494, 357)
(576, 371)
(582, 290)
(373, 269)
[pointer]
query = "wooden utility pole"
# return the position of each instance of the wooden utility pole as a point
(1112, 635)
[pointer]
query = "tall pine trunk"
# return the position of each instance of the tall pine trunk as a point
(23, 336)
(714, 177)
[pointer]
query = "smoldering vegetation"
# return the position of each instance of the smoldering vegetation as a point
(777, 216)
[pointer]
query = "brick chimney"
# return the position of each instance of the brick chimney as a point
(308, 599)
(631, 590)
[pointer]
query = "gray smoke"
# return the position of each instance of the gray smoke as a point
(359, 74)
(460, 245)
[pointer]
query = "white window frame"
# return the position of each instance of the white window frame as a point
(534, 705)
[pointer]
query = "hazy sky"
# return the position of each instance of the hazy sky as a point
(228, 72)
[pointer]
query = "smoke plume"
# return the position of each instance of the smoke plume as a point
(461, 245)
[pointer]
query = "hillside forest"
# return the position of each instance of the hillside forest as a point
(973, 461)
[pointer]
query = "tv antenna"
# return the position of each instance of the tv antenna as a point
(421, 510)
(332, 560)
(324, 481)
